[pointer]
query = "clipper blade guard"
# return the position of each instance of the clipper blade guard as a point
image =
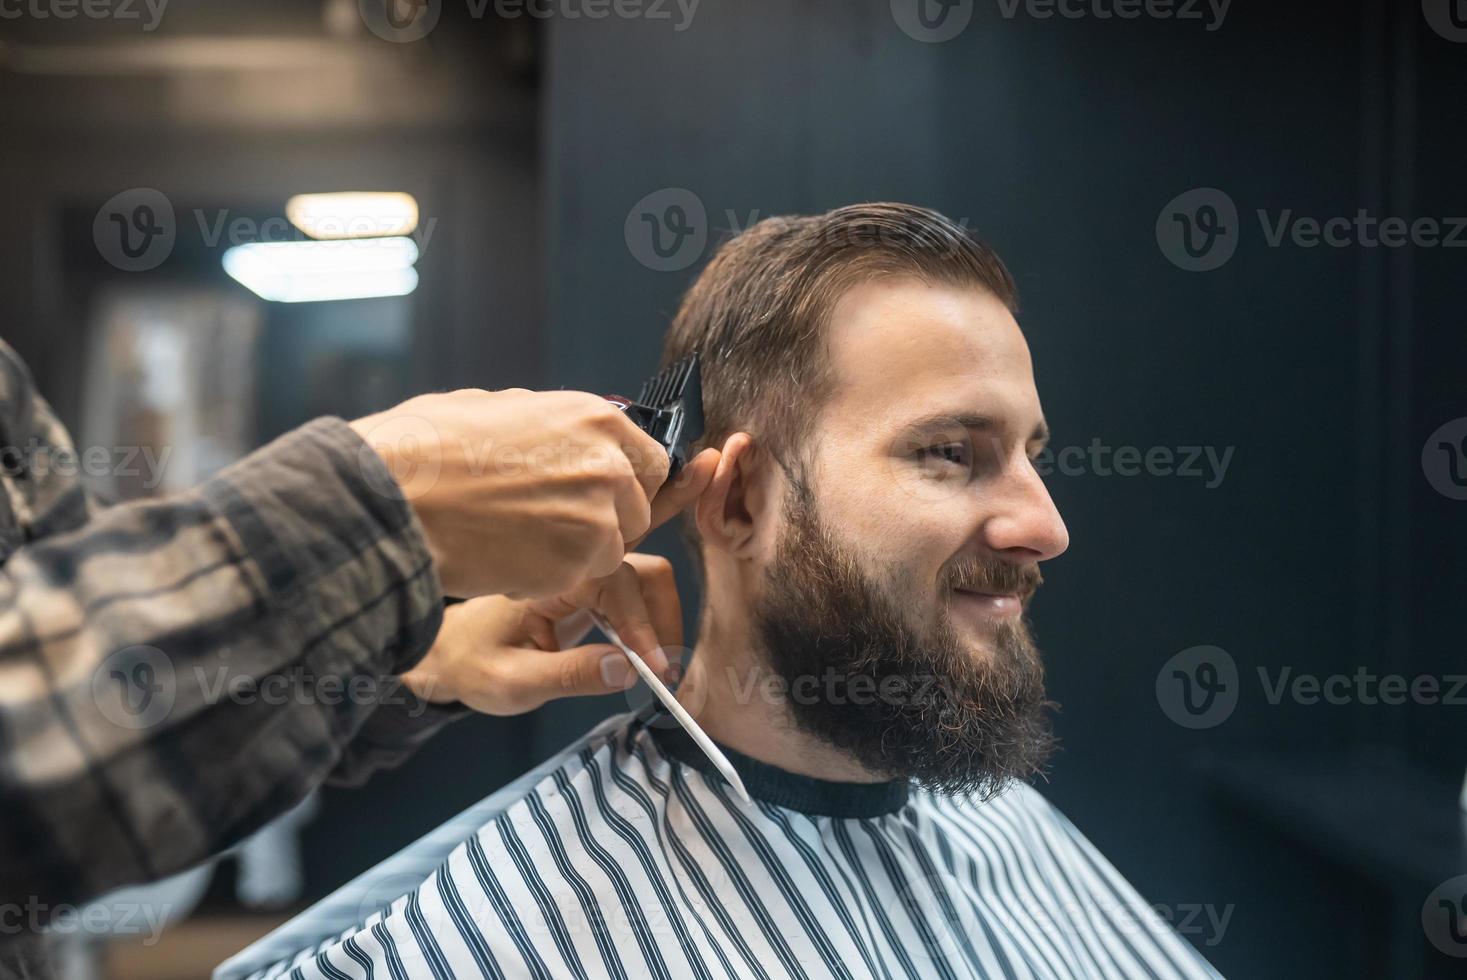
(669, 408)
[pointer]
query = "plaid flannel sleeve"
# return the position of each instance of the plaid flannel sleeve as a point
(174, 673)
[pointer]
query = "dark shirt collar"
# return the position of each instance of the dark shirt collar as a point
(771, 784)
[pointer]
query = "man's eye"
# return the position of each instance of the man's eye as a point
(948, 452)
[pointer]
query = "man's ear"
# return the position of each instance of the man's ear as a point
(735, 498)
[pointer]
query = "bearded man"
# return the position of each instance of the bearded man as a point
(868, 548)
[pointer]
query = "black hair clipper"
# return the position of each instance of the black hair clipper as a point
(669, 408)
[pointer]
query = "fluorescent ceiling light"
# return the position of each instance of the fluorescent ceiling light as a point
(304, 272)
(353, 214)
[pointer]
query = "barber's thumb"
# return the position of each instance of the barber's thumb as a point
(693, 479)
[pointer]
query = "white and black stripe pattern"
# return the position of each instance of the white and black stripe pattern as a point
(626, 857)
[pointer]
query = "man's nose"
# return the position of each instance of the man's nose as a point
(1024, 524)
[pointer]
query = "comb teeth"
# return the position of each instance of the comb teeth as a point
(666, 387)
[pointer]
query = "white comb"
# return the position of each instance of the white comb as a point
(719, 760)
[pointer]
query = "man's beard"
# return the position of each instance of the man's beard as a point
(956, 720)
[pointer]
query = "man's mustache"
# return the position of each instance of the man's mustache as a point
(993, 577)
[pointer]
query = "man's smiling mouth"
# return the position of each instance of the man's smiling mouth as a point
(989, 605)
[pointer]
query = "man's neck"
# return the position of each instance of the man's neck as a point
(740, 702)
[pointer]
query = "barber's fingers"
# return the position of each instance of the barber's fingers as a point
(596, 668)
(659, 594)
(633, 503)
(663, 606)
(648, 456)
(681, 492)
(606, 556)
(620, 598)
(568, 632)
(621, 601)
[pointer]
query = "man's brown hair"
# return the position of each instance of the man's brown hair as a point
(757, 313)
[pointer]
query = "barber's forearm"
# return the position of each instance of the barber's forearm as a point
(175, 673)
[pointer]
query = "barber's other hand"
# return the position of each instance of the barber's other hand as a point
(507, 656)
(527, 493)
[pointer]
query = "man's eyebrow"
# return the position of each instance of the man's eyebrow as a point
(975, 422)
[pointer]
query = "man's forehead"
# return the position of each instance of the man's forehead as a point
(905, 346)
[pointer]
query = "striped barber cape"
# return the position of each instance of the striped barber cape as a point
(627, 855)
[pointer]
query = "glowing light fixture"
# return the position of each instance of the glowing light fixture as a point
(305, 272)
(353, 214)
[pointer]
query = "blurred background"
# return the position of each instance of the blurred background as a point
(1240, 235)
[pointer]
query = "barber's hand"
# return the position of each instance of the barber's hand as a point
(528, 493)
(507, 656)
